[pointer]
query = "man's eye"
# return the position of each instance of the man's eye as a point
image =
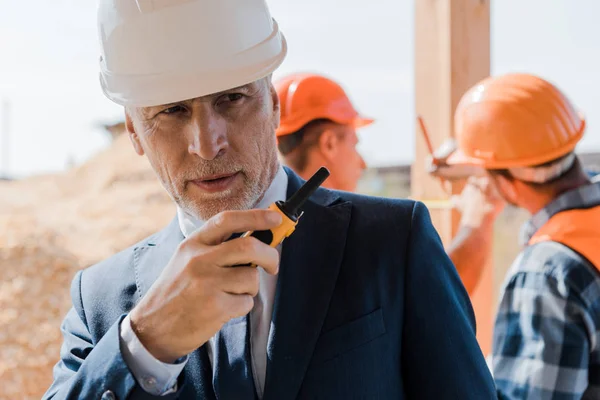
(231, 98)
(234, 96)
(172, 110)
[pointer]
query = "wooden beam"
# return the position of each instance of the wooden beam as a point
(452, 53)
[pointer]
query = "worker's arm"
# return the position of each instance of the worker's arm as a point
(470, 251)
(88, 370)
(471, 248)
(545, 337)
(441, 357)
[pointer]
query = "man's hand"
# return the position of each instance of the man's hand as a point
(478, 202)
(199, 291)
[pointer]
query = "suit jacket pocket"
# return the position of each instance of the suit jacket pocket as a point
(348, 337)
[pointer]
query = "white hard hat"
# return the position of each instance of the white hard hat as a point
(162, 51)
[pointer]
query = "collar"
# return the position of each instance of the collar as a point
(276, 191)
(582, 197)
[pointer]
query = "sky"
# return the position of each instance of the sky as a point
(49, 72)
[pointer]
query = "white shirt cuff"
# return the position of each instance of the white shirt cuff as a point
(154, 376)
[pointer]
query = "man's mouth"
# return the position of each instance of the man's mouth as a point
(216, 183)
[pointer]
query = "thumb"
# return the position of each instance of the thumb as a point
(456, 201)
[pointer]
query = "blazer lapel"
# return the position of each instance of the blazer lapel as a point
(152, 256)
(150, 259)
(310, 263)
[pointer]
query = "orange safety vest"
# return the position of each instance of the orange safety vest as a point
(578, 229)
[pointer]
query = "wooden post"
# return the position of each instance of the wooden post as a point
(452, 53)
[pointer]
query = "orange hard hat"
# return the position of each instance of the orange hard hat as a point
(514, 120)
(307, 97)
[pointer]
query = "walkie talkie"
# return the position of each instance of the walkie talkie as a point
(290, 211)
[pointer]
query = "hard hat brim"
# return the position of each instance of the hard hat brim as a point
(288, 129)
(361, 122)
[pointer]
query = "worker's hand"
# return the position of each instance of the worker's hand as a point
(478, 203)
(199, 291)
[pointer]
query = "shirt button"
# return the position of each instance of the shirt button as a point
(108, 395)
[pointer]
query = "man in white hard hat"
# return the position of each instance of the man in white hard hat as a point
(363, 303)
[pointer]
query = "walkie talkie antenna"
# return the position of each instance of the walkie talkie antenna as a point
(292, 206)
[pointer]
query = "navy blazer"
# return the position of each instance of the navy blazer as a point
(368, 306)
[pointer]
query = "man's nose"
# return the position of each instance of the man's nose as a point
(209, 135)
(363, 164)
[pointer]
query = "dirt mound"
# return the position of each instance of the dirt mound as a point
(50, 227)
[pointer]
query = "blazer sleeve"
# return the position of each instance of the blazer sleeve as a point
(88, 370)
(441, 356)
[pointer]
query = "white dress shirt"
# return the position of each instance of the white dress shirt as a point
(159, 378)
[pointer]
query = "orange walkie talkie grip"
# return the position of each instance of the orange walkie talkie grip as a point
(289, 211)
(275, 236)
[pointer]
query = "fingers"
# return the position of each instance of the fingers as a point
(240, 280)
(247, 250)
(480, 184)
(456, 201)
(472, 180)
(223, 225)
(487, 187)
(237, 305)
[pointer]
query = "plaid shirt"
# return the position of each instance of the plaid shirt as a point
(547, 333)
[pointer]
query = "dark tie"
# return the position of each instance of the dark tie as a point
(232, 371)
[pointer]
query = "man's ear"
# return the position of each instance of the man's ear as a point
(328, 143)
(135, 140)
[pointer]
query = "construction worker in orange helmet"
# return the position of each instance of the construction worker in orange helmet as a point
(318, 128)
(519, 132)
